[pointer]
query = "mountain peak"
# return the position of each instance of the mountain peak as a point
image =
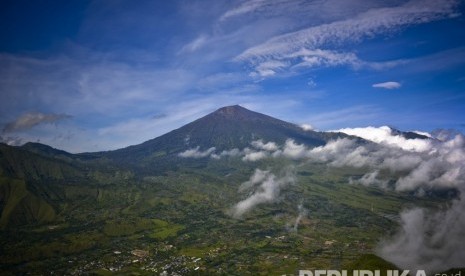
(238, 114)
(227, 128)
(232, 111)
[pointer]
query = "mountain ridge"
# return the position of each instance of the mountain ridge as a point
(91, 204)
(226, 128)
(227, 115)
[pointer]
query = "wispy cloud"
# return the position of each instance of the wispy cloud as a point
(269, 146)
(259, 151)
(302, 214)
(244, 8)
(111, 101)
(342, 116)
(95, 86)
(11, 140)
(269, 68)
(121, 70)
(301, 9)
(197, 153)
(29, 120)
(319, 57)
(195, 44)
(266, 187)
(363, 26)
(387, 85)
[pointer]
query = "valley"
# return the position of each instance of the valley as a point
(147, 210)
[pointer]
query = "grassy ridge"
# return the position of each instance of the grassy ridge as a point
(20, 206)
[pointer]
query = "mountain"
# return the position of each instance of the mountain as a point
(408, 134)
(52, 177)
(26, 195)
(46, 177)
(145, 210)
(47, 151)
(29, 163)
(225, 129)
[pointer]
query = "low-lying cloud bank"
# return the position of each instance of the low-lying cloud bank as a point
(259, 150)
(413, 164)
(427, 239)
(386, 136)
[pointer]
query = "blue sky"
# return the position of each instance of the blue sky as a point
(99, 75)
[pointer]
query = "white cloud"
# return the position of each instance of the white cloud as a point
(367, 24)
(196, 153)
(232, 153)
(269, 68)
(247, 7)
(307, 127)
(247, 154)
(385, 135)
(257, 177)
(302, 214)
(270, 146)
(301, 10)
(423, 133)
(309, 44)
(414, 164)
(369, 179)
(428, 240)
(195, 44)
(441, 167)
(432, 165)
(387, 85)
(254, 155)
(293, 150)
(319, 57)
(266, 186)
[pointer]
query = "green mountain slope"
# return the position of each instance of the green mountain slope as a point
(143, 210)
(27, 192)
(38, 182)
(227, 128)
(18, 206)
(21, 163)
